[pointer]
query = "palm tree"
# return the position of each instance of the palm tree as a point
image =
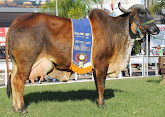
(156, 6)
(74, 9)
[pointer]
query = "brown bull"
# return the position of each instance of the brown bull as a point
(36, 37)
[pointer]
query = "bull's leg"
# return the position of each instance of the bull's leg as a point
(163, 79)
(13, 73)
(17, 83)
(17, 93)
(100, 76)
(9, 85)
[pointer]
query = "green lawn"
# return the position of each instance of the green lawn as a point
(136, 97)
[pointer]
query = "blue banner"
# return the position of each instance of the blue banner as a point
(82, 46)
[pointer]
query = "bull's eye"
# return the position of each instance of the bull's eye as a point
(142, 14)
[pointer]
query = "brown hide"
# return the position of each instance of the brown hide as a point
(122, 59)
(36, 37)
(116, 45)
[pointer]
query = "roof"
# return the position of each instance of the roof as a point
(162, 46)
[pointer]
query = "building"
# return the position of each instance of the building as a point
(11, 9)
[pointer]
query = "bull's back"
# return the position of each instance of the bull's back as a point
(36, 27)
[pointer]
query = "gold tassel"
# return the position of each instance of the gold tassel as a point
(80, 70)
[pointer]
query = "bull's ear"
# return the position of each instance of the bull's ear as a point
(134, 27)
(124, 10)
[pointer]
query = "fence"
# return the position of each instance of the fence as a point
(133, 60)
(4, 68)
(143, 60)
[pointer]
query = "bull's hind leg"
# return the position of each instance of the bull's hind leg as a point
(9, 84)
(18, 82)
(100, 73)
(17, 93)
(13, 72)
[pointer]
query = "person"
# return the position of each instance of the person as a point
(154, 51)
(133, 51)
(159, 51)
(142, 51)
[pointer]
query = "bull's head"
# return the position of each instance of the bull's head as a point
(141, 21)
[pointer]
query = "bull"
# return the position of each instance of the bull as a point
(37, 37)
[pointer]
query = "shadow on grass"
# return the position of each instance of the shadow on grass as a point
(65, 96)
(154, 81)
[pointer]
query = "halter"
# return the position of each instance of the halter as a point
(141, 26)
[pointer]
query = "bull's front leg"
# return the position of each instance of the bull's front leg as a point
(100, 73)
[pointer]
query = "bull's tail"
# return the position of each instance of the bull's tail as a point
(9, 86)
(7, 64)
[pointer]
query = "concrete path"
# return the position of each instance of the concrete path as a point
(81, 78)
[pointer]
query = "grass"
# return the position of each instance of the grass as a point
(137, 97)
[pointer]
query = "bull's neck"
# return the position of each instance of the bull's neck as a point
(123, 24)
(120, 24)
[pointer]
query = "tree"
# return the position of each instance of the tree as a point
(156, 6)
(137, 46)
(74, 9)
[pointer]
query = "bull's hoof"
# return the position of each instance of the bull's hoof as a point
(101, 105)
(22, 111)
(162, 82)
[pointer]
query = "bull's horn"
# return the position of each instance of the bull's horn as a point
(124, 10)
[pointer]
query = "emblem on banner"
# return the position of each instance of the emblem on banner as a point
(81, 59)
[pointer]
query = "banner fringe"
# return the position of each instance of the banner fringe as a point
(80, 70)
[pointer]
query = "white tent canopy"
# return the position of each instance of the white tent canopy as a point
(160, 38)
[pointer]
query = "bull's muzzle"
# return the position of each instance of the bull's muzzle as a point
(154, 30)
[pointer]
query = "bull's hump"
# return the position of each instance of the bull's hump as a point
(98, 14)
